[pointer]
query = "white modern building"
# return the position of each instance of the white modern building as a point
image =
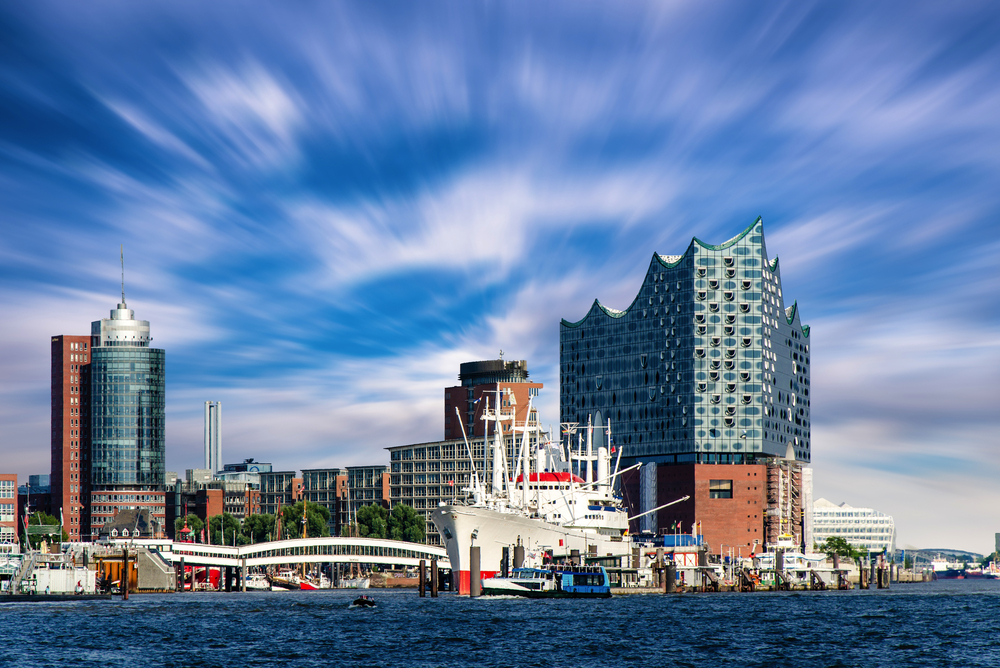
(864, 528)
(213, 436)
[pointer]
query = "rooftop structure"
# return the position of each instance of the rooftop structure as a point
(464, 405)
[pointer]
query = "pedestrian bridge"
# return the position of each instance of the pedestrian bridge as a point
(329, 550)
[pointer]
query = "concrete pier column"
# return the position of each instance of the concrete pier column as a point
(475, 577)
(422, 582)
(434, 578)
(670, 578)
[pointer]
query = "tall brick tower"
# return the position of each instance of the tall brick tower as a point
(71, 432)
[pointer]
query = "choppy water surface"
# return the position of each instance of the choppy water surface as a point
(933, 624)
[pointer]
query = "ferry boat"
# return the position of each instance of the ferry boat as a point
(257, 582)
(552, 582)
(550, 511)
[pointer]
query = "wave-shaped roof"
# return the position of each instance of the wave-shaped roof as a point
(671, 262)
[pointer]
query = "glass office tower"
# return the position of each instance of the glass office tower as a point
(707, 365)
(127, 449)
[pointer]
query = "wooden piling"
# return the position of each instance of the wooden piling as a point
(475, 578)
(422, 582)
(123, 580)
(434, 578)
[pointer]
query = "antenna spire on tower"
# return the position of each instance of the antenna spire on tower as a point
(123, 272)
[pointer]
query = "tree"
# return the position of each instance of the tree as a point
(258, 528)
(840, 546)
(405, 523)
(372, 521)
(225, 529)
(193, 522)
(43, 519)
(317, 521)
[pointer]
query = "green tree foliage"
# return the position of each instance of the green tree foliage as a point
(258, 528)
(405, 523)
(39, 519)
(226, 530)
(372, 522)
(193, 522)
(317, 518)
(840, 546)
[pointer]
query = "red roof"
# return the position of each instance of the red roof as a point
(559, 476)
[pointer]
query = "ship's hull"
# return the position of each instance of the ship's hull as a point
(462, 527)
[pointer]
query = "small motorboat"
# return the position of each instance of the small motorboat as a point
(363, 602)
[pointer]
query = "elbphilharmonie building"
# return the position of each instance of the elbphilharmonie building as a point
(708, 365)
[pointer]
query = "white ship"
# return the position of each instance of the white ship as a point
(555, 513)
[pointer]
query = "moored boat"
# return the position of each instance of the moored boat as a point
(553, 582)
(537, 502)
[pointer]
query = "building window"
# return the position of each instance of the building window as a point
(720, 489)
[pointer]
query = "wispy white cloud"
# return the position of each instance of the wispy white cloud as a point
(489, 220)
(255, 113)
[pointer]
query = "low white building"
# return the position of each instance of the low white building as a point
(864, 528)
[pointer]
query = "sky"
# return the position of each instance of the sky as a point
(327, 207)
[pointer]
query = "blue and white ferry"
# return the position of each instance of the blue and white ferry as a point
(552, 582)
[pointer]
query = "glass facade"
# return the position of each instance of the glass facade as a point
(127, 418)
(706, 365)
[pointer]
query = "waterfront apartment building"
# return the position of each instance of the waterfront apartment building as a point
(477, 390)
(864, 528)
(328, 488)
(367, 486)
(70, 433)
(213, 436)
(708, 366)
(127, 431)
(8, 508)
(278, 489)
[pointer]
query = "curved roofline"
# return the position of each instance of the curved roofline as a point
(670, 265)
(791, 318)
(727, 244)
(615, 313)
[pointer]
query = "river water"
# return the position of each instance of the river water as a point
(953, 623)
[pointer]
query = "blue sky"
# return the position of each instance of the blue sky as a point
(327, 207)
